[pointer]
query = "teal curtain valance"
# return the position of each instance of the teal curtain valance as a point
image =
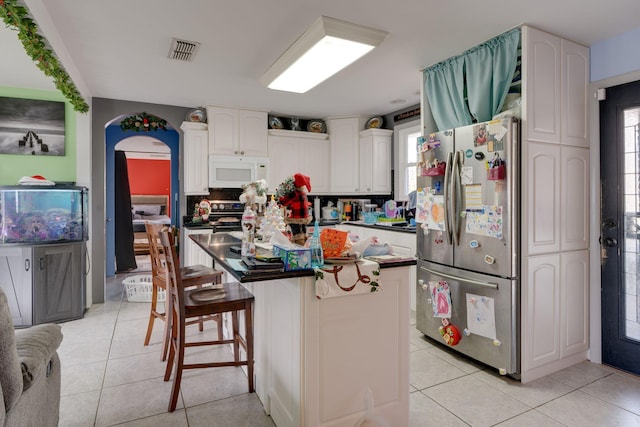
(485, 71)
(444, 83)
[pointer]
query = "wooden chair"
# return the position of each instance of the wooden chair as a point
(231, 298)
(197, 275)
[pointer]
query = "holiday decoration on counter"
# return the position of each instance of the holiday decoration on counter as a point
(255, 193)
(292, 193)
(248, 232)
(272, 221)
(143, 122)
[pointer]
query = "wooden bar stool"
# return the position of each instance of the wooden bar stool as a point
(231, 298)
(196, 275)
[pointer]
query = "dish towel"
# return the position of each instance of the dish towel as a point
(338, 280)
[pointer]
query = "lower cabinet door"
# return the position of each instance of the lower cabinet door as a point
(541, 311)
(15, 282)
(57, 282)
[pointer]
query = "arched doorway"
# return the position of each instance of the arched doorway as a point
(113, 135)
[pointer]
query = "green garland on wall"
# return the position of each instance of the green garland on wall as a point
(143, 123)
(35, 45)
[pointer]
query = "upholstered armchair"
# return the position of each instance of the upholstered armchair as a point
(29, 372)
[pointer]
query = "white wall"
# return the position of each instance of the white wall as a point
(615, 56)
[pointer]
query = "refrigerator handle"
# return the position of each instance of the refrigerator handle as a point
(489, 285)
(455, 198)
(447, 195)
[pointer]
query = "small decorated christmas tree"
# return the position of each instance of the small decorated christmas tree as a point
(272, 221)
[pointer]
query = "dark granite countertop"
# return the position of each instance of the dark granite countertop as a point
(218, 245)
(396, 228)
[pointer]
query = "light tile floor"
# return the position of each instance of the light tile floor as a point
(109, 378)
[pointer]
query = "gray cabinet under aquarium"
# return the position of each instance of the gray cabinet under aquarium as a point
(43, 231)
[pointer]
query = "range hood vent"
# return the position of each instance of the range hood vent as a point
(183, 50)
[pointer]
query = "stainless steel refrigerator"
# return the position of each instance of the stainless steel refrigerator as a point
(468, 241)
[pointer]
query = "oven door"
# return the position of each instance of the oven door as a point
(226, 222)
(483, 309)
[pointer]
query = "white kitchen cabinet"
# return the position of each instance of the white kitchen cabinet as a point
(555, 172)
(555, 203)
(375, 161)
(345, 163)
(556, 189)
(556, 77)
(360, 161)
(237, 132)
(193, 254)
(304, 152)
(195, 156)
(555, 312)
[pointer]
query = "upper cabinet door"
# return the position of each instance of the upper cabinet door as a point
(315, 160)
(541, 210)
(344, 134)
(252, 133)
(574, 196)
(375, 161)
(195, 150)
(284, 160)
(541, 76)
(575, 85)
(223, 130)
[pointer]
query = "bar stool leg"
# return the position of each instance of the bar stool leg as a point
(236, 336)
(177, 377)
(152, 313)
(168, 322)
(172, 344)
(248, 318)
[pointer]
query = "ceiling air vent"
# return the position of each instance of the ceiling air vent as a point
(183, 50)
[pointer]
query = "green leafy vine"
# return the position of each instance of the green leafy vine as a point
(36, 46)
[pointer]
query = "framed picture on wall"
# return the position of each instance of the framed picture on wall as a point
(32, 127)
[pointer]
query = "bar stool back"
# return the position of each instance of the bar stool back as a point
(196, 275)
(231, 298)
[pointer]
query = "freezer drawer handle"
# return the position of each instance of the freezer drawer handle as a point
(461, 279)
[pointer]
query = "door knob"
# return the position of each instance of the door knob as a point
(610, 242)
(609, 223)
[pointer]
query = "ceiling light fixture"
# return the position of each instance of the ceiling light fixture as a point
(327, 47)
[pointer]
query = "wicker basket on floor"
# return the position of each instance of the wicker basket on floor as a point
(140, 287)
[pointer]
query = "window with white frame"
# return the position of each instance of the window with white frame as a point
(406, 140)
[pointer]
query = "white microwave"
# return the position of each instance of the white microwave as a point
(236, 171)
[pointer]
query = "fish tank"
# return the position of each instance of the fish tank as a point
(41, 215)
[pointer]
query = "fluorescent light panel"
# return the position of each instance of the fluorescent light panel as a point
(328, 46)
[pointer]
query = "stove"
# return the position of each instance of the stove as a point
(225, 215)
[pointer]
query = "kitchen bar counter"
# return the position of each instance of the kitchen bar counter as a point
(220, 251)
(316, 360)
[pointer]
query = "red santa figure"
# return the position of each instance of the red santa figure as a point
(297, 206)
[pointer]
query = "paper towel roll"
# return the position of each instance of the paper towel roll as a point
(316, 208)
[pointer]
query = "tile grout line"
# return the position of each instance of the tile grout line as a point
(106, 365)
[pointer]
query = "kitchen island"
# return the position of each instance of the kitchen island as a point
(321, 362)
